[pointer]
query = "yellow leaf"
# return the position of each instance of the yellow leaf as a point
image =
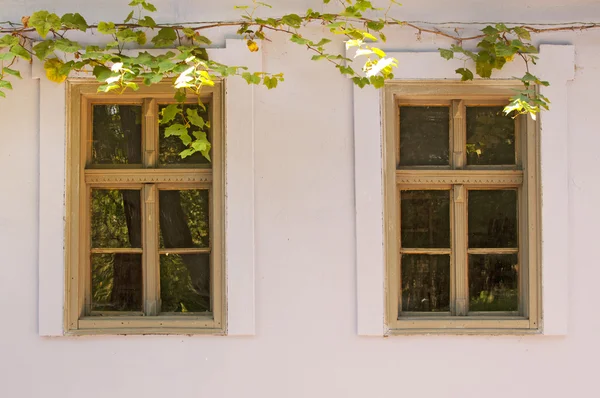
(52, 68)
(252, 46)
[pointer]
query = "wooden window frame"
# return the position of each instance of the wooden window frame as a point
(81, 94)
(458, 178)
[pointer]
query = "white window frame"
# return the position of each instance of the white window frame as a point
(557, 65)
(239, 196)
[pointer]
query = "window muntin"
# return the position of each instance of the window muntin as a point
(150, 245)
(485, 277)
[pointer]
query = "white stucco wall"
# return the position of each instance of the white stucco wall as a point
(306, 342)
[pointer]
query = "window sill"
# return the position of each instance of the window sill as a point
(489, 325)
(165, 324)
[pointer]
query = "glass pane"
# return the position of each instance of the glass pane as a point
(424, 135)
(117, 134)
(170, 147)
(425, 282)
(116, 218)
(493, 219)
(425, 219)
(493, 282)
(490, 136)
(117, 282)
(184, 218)
(185, 282)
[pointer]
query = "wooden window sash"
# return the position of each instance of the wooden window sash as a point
(148, 179)
(459, 178)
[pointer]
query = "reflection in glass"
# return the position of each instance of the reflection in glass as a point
(425, 282)
(116, 218)
(184, 218)
(171, 147)
(493, 218)
(424, 135)
(425, 219)
(185, 282)
(117, 282)
(117, 134)
(490, 136)
(493, 282)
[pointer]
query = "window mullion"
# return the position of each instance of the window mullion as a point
(458, 127)
(151, 270)
(460, 250)
(150, 136)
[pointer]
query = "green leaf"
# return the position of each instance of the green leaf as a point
(6, 56)
(8, 41)
(11, 72)
(202, 145)
(107, 28)
(292, 20)
(126, 35)
(483, 67)
(299, 40)
(270, 82)
(129, 17)
(465, 74)
(43, 49)
(251, 78)
(376, 26)
(194, 118)
(141, 37)
(20, 52)
(165, 37)
(149, 7)
(43, 22)
(522, 32)
(151, 78)
(203, 39)
(346, 70)
(360, 81)
(502, 50)
(74, 21)
(490, 30)
(176, 129)
(446, 54)
(147, 22)
(168, 113)
(2, 94)
(5, 85)
(66, 45)
(102, 73)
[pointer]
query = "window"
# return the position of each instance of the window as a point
(461, 209)
(144, 225)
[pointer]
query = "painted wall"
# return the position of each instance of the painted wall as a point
(306, 343)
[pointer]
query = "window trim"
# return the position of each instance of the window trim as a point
(81, 93)
(556, 64)
(458, 180)
(239, 224)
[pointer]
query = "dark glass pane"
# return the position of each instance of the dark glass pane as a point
(493, 282)
(493, 219)
(184, 218)
(425, 219)
(117, 134)
(117, 282)
(425, 282)
(490, 136)
(116, 218)
(185, 282)
(424, 135)
(170, 147)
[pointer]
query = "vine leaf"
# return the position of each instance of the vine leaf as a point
(43, 22)
(52, 68)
